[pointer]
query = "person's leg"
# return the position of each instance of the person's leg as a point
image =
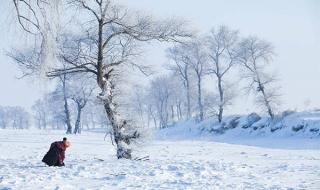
(57, 163)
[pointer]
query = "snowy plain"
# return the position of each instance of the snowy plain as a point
(208, 163)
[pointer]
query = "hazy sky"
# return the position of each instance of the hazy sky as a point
(292, 26)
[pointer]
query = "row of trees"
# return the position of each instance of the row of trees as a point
(212, 57)
(14, 118)
(70, 106)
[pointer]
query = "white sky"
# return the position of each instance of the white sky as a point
(292, 26)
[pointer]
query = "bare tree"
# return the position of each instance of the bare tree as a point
(164, 101)
(255, 55)
(222, 50)
(160, 92)
(4, 119)
(181, 67)
(40, 111)
(64, 90)
(80, 93)
(109, 39)
(94, 115)
(177, 100)
(197, 58)
(191, 59)
(138, 104)
(55, 108)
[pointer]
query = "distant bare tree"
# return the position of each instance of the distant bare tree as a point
(160, 92)
(40, 110)
(190, 58)
(14, 117)
(65, 94)
(4, 119)
(138, 104)
(96, 115)
(197, 58)
(177, 100)
(80, 92)
(181, 67)
(255, 55)
(222, 46)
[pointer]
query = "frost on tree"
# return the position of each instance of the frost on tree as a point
(41, 19)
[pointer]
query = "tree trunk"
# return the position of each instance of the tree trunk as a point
(67, 120)
(44, 121)
(104, 81)
(77, 124)
(154, 118)
(200, 99)
(188, 100)
(66, 106)
(266, 101)
(122, 145)
(179, 114)
(221, 99)
(172, 113)
(262, 90)
(93, 123)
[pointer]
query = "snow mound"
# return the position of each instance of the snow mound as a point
(288, 124)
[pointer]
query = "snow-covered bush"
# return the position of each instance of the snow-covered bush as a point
(251, 119)
(306, 124)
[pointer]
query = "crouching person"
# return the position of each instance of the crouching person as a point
(56, 154)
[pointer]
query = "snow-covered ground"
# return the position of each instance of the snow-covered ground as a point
(173, 164)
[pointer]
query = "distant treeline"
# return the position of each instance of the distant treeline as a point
(14, 117)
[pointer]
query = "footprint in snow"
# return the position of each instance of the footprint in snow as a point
(172, 168)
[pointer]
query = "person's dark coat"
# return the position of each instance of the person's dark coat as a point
(56, 154)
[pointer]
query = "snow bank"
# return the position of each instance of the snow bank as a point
(285, 126)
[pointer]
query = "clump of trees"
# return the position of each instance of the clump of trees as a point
(70, 106)
(212, 57)
(14, 118)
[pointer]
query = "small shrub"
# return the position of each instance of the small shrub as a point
(297, 128)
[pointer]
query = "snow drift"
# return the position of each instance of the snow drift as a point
(288, 124)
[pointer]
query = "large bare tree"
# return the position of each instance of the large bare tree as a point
(109, 39)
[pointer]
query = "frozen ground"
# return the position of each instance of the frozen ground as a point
(173, 164)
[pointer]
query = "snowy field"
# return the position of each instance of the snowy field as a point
(174, 164)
